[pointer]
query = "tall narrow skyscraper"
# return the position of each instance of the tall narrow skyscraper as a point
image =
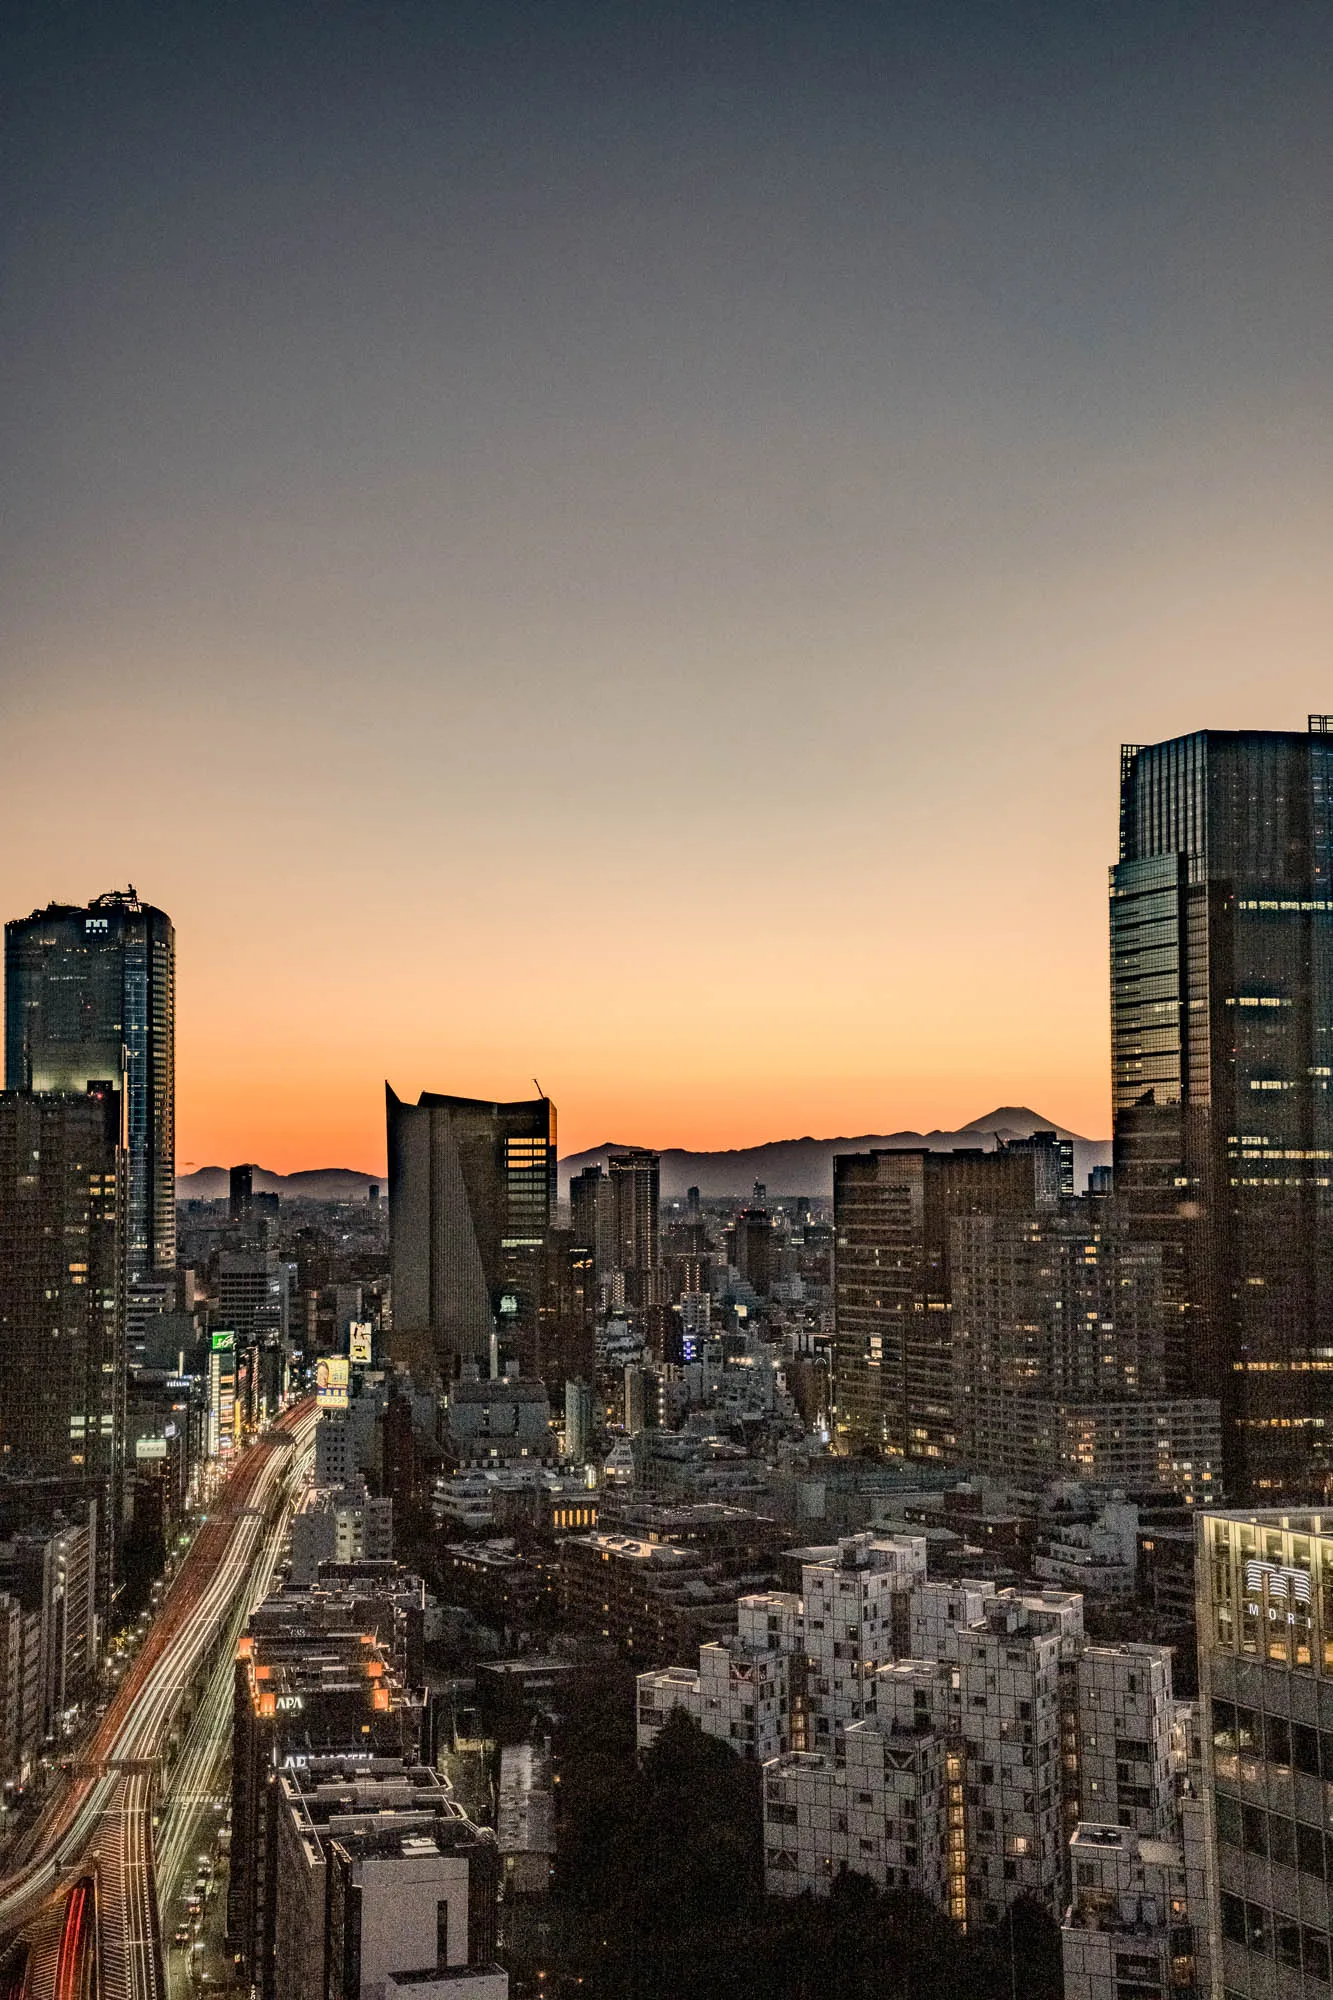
(90, 995)
(62, 1298)
(1222, 1078)
(471, 1189)
(636, 1199)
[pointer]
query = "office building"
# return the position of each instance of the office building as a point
(635, 1192)
(471, 1191)
(654, 1600)
(487, 1422)
(893, 1368)
(240, 1194)
(62, 1300)
(254, 1294)
(339, 1524)
(311, 1680)
(49, 1570)
(90, 997)
(1265, 1627)
(525, 1817)
(412, 1913)
(1222, 1078)
(20, 1688)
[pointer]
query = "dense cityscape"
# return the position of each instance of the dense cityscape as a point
(526, 1575)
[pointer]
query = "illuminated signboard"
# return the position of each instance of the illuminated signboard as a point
(331, 1382)
(358, 1348)
(1286, 1592)
(224, 1343)
(150, 1447)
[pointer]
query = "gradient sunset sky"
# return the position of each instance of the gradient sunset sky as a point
(620, 543)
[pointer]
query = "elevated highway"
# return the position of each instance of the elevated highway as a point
(88, 1862)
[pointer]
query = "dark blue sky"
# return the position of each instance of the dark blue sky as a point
(435, 435)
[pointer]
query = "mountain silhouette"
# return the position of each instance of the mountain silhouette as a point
(805, 1166)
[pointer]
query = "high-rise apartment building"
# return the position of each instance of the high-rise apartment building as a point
(754, 1247)
(90, 997)
(893, 1335)
(62, 1299)
(592, 1216)
(1059, 1356)
(635, 1198)
(471, 1190)
(1222, 1077)
(567, 1314)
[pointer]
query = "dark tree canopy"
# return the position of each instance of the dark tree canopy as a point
(659, 1894)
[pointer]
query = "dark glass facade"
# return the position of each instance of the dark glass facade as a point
(1222, 1058)
(90, 995)
(471, 1190)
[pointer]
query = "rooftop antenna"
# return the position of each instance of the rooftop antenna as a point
(540, 1091)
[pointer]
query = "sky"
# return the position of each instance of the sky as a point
(618, 544)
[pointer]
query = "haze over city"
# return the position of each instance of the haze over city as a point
(623, 545)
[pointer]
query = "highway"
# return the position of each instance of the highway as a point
(93, 1849)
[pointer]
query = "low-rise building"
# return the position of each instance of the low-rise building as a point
(654, 1600)
(525, 1818)
(492, 1422)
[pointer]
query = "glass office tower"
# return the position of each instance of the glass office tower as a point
(1222, 1056)
(471, 1189)
(90, 996)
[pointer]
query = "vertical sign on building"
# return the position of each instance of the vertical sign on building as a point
(222, 1395)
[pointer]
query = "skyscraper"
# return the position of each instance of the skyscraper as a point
(471, 1189)
(240, 1193)
(1057, 1333)
(636, 1184)
(592, 1216)
(1222, 1065)
(62, 1296)
(90, 996)
(893, 1335)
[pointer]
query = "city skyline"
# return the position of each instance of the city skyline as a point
(943, 1103)
(666, 1155)
(832, 434)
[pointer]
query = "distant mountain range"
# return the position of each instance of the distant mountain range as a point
(805, 1166)
(785, 1166)
(312, 1184)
